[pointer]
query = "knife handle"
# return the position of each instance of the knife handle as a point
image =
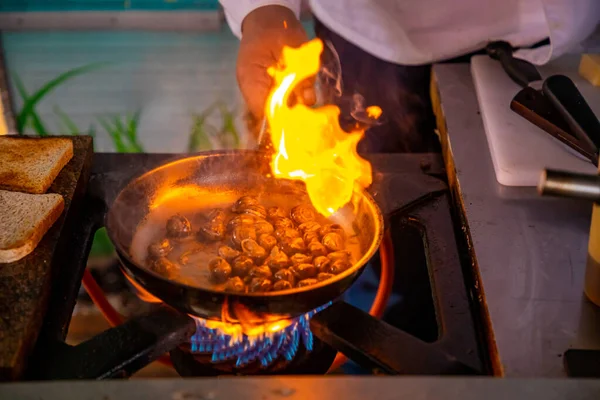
(569, 102)
(520, 71)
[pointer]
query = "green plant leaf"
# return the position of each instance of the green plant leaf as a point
(114, 134)
(132, 125)
(132, 130)
(118, 125)
(200, 136)
(202, 130)
(123, 134)
(20, 86)
(31, 102)
(229, 125)
(36, 122)
(101, 246)
(70, 126)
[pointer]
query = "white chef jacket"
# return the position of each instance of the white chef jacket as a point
(415, 32)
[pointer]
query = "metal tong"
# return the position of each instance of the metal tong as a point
(553, 104)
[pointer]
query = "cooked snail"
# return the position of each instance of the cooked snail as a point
(257, 249)
(160, 249)
(339, 266)
(165, 267)
(260, 272)
(276, 212)
(277, 259)
(178, 226)
(253, 250)
(282, 285)
(219, 269)
(304, 271)
(303, 213)
(322, 263)
(228, 253)
(262, 226)
(300, 258)
(267, 241)
(241, 266)
(240, 220)
(235, 285)
(323, 276)
(256, 210)
(316, 249)
(285, 275)
(333, 241)
(307, 282)
(293, 246)
(241, 233)
(243, 203)
(260, 285)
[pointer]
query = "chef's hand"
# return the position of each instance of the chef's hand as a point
(264, 33)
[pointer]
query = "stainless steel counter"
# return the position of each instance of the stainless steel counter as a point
(292, 388)
(530, 251)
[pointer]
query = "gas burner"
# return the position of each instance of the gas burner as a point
(314, 362)
(226, 343)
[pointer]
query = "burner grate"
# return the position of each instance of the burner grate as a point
(264, 348)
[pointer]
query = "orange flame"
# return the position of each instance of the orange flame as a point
(243, 322)
(373, 112)
(310, 145)
(142, 293)
(246, 322)
(184, 194)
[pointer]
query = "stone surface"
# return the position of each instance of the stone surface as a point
(25, 284)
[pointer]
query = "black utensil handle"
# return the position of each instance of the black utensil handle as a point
(582, 363)
(520, 71)
(376, 344)
(567, 99)
(119, 352)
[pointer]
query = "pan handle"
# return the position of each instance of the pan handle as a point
(567, 99)
(376, 344)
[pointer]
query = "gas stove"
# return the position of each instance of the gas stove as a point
(431, 324)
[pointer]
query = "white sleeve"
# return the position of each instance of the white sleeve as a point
(569, 23)
(236, 10)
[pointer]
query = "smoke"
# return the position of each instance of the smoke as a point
(330, 90)
(329, 80)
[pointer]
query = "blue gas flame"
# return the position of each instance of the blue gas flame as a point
(264, 348)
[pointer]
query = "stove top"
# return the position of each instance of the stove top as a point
(430, 325)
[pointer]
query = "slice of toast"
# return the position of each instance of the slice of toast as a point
(24, 220)
(31, 164)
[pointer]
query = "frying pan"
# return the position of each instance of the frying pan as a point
(229, 175)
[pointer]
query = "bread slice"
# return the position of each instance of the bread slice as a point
(24, 220)
(31, 164)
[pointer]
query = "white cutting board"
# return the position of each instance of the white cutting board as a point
(519, 149)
